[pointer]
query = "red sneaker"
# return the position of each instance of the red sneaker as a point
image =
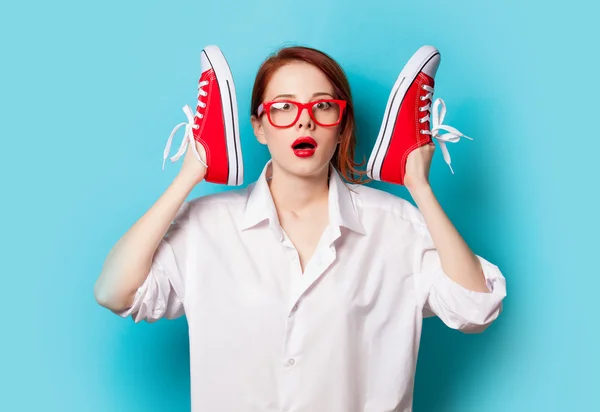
(405, 126)
(215, 124)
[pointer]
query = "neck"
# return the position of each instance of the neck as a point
(298, 194)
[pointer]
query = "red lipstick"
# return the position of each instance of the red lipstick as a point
(304, 146)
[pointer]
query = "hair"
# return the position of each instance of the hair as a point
(343, 158)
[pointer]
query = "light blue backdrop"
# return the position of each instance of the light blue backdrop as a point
(89, 92)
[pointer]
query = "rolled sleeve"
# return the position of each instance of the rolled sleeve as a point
(157, 297)
(162, 292)
(439, 295)
(464, 309)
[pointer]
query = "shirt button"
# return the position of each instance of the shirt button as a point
(291, 362)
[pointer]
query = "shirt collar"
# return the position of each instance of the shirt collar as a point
(260, 205)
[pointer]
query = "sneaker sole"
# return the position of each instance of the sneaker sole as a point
(235, 175)
(403, 83)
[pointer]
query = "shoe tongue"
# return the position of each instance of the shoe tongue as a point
(208, 75)
(427, 79)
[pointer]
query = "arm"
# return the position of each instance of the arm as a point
(128, 263)
(463, 289)
(457, 259)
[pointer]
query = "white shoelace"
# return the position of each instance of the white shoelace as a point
(452, 135)
(188, 137)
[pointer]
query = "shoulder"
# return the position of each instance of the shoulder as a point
(231, 197)
(370, 200)
(229, 202)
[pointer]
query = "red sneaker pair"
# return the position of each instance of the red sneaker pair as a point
(408, 119)
(215, 124)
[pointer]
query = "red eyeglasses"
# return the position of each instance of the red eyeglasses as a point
(285, 113)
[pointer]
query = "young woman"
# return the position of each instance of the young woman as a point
(306, 290)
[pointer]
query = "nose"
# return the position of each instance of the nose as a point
(305, 119)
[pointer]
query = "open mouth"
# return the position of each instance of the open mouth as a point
(304, 143)
(303, 146)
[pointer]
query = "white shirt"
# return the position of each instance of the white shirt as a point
(341, 337)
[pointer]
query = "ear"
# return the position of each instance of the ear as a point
(259, 130)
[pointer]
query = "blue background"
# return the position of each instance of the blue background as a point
(89, 92)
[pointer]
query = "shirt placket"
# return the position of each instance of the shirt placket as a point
(300, 282)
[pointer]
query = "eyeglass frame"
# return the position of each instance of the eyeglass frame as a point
(265, 107)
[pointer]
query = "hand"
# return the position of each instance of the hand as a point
(418, 165)
(191, 168)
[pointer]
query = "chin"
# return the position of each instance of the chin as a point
(304, 167)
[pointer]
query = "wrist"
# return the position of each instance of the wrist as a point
(186, 182)
(417, 189)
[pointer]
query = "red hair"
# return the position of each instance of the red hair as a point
(343, 158)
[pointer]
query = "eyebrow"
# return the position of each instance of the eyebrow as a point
(292, 96)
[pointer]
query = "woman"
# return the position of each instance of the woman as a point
(301, 292)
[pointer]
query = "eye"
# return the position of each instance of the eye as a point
(323, 105)
(281, 106)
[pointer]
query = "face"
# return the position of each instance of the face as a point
(303, 83)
